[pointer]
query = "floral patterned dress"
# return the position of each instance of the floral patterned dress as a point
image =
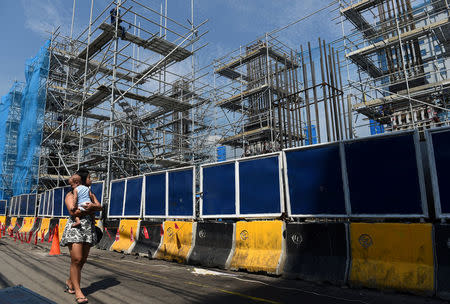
(84, 233)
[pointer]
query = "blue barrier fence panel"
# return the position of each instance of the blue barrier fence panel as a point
(50, 203)
(260, 187)
(97, 190)
(45, 205)
(315, 182)
(219, 190)
(181, 193)
(23, 205)
(31, 210)
(155, 195)
(438, 142)
(133, 197)
(384, 177)
(65, 211)
(3, 207)
(58, 201)
(41, 203)
(116, 198)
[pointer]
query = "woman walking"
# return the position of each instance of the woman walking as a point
(80, 238)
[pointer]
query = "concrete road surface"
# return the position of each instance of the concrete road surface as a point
(110, 277)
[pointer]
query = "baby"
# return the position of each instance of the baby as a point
(81, 196)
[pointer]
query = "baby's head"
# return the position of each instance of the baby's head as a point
(75, 181)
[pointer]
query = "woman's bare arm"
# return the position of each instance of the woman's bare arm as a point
(72, 206)
(95, 204)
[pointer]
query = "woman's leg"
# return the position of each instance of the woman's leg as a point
(69, 280)
(86, 249)
(76, 255)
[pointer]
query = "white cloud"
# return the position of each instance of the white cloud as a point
(44, 16)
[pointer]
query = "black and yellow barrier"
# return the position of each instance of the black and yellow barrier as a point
(43, 229)
(259, 246)
(212, 244)
(126, 236)
(317, 252)
(392, 256)
(109, 233)
(177, 241)
(149, 240)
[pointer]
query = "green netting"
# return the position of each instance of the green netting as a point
(21, 122)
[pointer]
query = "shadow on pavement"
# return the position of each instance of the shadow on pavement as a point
(100, 285)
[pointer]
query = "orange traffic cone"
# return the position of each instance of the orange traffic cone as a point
(55, 250)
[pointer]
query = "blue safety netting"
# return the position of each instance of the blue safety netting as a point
(21, 123)
(32, 120)
(9, 128)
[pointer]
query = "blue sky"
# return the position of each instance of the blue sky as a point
(25, 25)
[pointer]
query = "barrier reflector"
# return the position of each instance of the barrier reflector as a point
(149, 238)
(124, 243)
(392, 256)
(43, 230)
(212, 245)
(27, 224)
(258, 246)
(176, 243)
(442, 252)
(317, 252)
(109, 233)
(61, 226)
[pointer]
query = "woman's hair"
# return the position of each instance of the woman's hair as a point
(83, 173)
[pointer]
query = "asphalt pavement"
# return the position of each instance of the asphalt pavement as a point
(110, 277)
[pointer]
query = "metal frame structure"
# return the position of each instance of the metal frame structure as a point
(397, 60)
(116, 105)
(237, 189)
(272, 98)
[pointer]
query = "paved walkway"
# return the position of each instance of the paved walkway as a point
(110, 277)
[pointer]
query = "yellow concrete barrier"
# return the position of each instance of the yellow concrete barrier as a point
(2, 219)
(259, 246)
(392, 256)
(12, 224)
(27, 224)
(177, 241)
(61, 225)
(125, 243)
(45, 224)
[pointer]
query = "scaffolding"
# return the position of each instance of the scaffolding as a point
(397, 60)
(272, 97)
(115, 104)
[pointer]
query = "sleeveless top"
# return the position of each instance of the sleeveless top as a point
(83, 195)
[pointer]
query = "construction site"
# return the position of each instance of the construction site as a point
(302, 160)
(110, 99)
